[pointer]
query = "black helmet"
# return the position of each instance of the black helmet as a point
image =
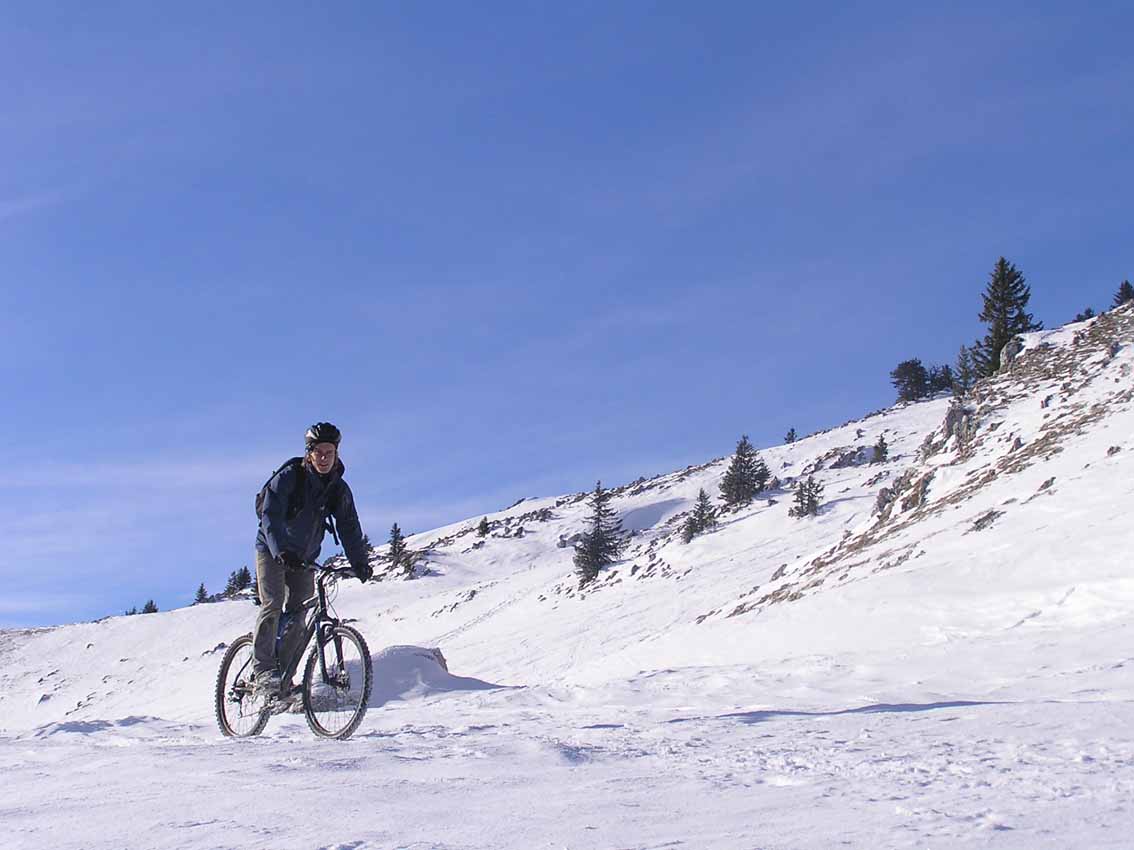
(322, 432)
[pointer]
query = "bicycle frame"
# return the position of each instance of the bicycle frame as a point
(320, 625)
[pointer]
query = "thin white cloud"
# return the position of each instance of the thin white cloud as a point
(14, 207)
(37, 603)
(200, 472)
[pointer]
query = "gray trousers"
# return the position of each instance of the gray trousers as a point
(280, 590)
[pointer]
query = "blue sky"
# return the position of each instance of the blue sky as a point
(510, 248)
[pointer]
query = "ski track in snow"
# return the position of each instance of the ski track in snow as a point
(956, 676)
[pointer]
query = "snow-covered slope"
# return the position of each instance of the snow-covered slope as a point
(941, 658)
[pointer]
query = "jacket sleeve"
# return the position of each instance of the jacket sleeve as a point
(276, 497)
(349, 528)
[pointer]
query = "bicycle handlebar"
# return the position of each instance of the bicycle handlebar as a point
(316, 567)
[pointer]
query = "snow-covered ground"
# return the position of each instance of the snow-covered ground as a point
(947, 667)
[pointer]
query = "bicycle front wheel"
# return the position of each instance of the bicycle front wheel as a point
(239, 713)
(336, 703)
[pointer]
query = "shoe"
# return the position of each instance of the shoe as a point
(267, 684)
(289, 698)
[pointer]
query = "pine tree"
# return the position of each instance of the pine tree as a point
(790, 436)
(202, 594)
(807, 498)
(131, 612)
(243, 579)
(881, 449)
(149, 607)
(745, 477)
(230, 586)
(397, 546)
(1088, 313)
(941, 379)
(366, 544)
(910, 379)
(704, 512)
(1005, 312)
(602, 542)
(702, 518)
(1125, 293)
(482, 529)
(965, 375)
(688, 530)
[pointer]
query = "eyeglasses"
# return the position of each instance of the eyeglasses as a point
(323, 454)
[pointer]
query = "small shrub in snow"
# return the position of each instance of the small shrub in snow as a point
(881, 450)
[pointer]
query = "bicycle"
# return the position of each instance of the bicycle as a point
(337, 677)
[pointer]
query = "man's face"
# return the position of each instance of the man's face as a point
(323, 457)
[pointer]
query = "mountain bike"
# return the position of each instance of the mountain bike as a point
(337, 677)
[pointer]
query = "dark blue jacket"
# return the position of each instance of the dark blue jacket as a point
(326, 494)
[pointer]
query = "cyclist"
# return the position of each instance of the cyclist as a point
(297, 504)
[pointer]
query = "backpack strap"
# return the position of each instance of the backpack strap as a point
(298, 493)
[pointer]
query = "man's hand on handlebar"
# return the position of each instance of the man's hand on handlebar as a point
(290, 561)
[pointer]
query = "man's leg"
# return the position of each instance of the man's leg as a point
(270, 580)
(300, 588)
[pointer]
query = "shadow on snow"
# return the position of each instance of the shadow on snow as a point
(878, 708)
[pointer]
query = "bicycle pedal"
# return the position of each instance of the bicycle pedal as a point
(281, 704)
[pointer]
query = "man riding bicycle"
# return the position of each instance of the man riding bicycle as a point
(297, 507)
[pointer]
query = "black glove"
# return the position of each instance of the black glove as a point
(290, 561)
(364, 572)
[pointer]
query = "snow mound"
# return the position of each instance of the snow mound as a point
(406, 672)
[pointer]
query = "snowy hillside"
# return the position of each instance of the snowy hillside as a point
(941, 658)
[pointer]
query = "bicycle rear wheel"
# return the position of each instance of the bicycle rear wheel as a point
(335, 705)
(239, 713)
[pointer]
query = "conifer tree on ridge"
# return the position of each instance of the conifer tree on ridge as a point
(964, 376)
(602, 542)
(1125, 293)
(398, 549)
(701, 519)
(911, 379)
(807, 498)
(1005, 301)
(746, 475)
